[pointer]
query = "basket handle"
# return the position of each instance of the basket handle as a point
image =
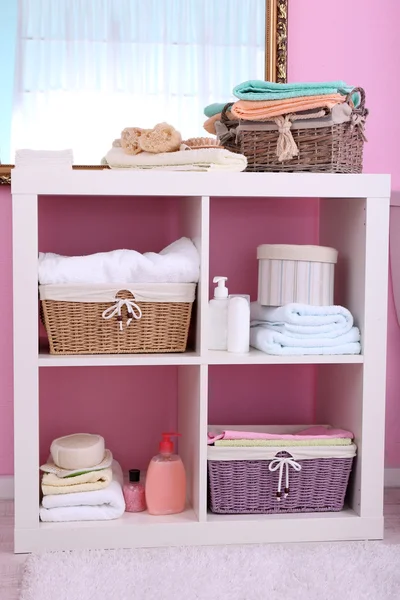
(357, 90)
(224, 117)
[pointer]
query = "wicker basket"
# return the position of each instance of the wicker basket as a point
(335, 148)
(125, 324)
(250, 486)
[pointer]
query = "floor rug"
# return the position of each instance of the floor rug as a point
(334, 571)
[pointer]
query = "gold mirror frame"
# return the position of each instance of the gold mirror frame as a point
(276, 38)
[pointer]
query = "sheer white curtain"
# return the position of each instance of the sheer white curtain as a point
(85, 69)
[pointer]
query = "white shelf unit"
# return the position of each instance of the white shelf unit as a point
(350, 391)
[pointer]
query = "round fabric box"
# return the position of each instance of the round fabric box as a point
(302, 274)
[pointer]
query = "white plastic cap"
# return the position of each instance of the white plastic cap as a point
(221, 291)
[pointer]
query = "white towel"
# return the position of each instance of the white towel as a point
(44, 158)
(100, 505)
(177, 263)
(205, 159)
(297, 320)
(266, 339)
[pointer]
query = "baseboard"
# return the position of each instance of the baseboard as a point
(6, 487)
(392, 479)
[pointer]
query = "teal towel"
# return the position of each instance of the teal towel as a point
(267, 90)
(214, 109)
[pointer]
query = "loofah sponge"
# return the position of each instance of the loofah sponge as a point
(130, 137)
(163, 138)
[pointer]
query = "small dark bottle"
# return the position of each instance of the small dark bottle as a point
(134, 495)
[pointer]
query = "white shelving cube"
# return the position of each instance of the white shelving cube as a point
(354, 218)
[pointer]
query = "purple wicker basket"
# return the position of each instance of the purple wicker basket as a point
(249, 486)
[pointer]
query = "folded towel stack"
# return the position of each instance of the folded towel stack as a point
(318, 435)
(162, 149)
(54, 159)
(202, 160)
(282, 103)
(301, 329)
(81, 481)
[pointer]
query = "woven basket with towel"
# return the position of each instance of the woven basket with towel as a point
(315, 140)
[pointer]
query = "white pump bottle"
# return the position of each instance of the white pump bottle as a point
(218, 316)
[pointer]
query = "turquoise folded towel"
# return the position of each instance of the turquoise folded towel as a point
(267, 90)
(214, 109)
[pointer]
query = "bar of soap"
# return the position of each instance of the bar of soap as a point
(78, 451)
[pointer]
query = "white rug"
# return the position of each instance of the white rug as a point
(338, 571)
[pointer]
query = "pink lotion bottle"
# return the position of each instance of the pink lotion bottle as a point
(166, 480)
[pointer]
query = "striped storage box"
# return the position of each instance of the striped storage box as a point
(302, 274)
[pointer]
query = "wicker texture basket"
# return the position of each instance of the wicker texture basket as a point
(79, 327)
(336, 148)
(248, 486)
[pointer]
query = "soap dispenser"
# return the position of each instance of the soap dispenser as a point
(166, 480)
(218, 316)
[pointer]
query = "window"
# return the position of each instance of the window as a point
(85, 69)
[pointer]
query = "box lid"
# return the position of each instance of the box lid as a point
(297, 252)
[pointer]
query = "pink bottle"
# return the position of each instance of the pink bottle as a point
(166, 480)
(134, 493)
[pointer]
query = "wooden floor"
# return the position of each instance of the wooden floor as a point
(11, 566)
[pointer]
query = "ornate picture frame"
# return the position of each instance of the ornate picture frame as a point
(276, 53)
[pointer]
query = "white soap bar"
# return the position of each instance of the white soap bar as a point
(78, 451)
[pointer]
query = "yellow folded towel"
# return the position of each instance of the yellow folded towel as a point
(86, 482)
(259, 110)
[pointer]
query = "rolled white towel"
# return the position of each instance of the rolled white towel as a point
(298, 320)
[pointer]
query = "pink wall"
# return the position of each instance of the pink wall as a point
(358, 44)
(358, 41)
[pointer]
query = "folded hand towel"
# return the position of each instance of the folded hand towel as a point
(100, 505)
(266, 339)
(262, 111)
(44, 158)
(86, 482)
(177, 263)
(51, 467)
(298, 320)
(214, 109)
(316, 432)
(206, 159)
(285, 443)
(267, 90)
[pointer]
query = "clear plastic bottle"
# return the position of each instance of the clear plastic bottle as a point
(218, 316)
(166, 480)
(239, 324)
(134, 492)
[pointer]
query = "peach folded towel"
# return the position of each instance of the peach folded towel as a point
(256, 110)
(209, 124)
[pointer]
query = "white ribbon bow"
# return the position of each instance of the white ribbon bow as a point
(283, 462)
(116, 309)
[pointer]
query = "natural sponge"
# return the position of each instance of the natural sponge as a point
(130, 137)
(163, 138)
